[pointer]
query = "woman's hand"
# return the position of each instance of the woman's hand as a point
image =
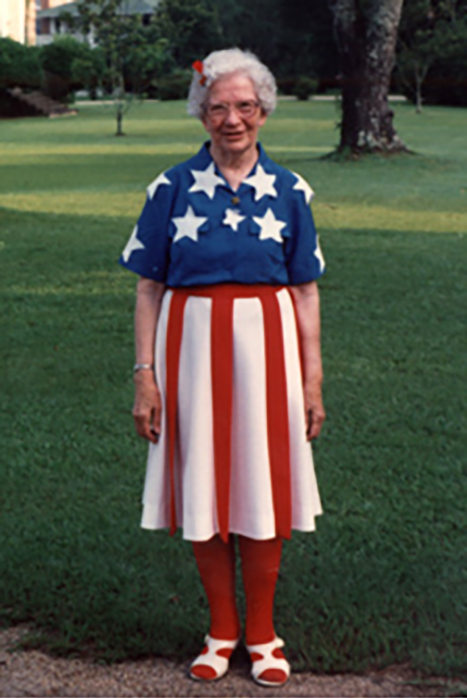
(147, 408)
(306, 298)
(314, 410)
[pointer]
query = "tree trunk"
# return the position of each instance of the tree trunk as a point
(420, 75)
(418, 89)
(119, 100)
(366, 41)
(119, 116)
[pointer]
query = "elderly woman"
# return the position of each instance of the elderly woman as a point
(228, 365)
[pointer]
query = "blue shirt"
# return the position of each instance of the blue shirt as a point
(195, 230)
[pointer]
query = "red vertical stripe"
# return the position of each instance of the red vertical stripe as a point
(277, 415)
(222, 387)
(174, 341)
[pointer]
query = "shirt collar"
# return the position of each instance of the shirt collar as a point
(205, 158)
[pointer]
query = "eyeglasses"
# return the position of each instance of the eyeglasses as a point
(218, 112)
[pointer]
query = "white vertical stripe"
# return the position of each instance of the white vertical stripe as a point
(156, 497)
(195, 421)
(251, 503)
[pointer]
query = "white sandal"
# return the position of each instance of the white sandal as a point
(264, 657)
(211, 657)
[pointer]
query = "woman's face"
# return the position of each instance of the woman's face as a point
(233, 116)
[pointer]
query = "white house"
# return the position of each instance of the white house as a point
(49, 22)
(13, 19)
(18, 18)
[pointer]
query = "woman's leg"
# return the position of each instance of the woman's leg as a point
(260, 568)
(216, 565)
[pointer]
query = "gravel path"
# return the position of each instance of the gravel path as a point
(33, 673)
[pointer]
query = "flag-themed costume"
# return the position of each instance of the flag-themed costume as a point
(233, 455)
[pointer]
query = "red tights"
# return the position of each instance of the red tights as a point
(260, 567)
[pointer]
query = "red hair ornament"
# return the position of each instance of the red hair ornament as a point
(199, 67)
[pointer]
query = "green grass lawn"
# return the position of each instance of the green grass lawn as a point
(384, 577)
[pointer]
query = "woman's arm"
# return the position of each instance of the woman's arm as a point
(306, 298)
(147, 406)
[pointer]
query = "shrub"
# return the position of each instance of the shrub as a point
(305, 87)
(286, 86)
(57, 61)
(146, 63)
(174, 86)
(89, 71)
(19, 65)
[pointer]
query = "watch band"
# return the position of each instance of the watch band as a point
(143, 367)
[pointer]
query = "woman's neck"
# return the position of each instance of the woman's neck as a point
(234, 166)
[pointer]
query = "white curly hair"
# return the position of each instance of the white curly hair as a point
(226, 62)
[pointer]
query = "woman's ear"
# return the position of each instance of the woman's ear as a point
(262, 118)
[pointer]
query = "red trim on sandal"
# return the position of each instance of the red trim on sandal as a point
(269, 667)
(213, 662)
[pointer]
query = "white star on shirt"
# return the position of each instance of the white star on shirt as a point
(154, 186)
(233, 218)
(262, 182)
(319, 255)
(270, 226)
(132, 245)
(187, 225)
(303, 186)
(206, 181)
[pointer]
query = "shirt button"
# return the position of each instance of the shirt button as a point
(235, 200)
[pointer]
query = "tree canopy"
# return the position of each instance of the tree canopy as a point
(293, 37)
(432, 51)
(191, 28)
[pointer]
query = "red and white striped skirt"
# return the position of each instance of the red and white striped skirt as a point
(232, 456)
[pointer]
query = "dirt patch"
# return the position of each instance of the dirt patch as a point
(33, 673)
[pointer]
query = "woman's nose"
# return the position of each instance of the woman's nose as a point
(232, 116)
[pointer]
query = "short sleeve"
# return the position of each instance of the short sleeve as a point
(147, 251)
(303, 256)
